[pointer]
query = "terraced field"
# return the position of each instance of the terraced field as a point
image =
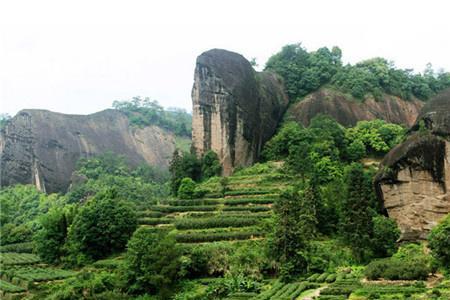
(228, 212)
(22, 274)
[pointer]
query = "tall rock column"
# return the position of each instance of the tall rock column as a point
(235, 109)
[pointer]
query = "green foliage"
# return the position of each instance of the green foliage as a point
(356, 213)
(377, 136)
(20, 206)
(187, 188)
(210, 165)
(152, 263)
(201, 223)
(12, 258)
(50, 239)
(103, 226)
(295, 225)
(385, 235)
(409, 263)
(181, 166)
(10, 288)
(439, 241)
(304, 72)
(328, 255)
(145, 112)
(92, 286)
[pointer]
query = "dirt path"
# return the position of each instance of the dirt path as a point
(313, 294)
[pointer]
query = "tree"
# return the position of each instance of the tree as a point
(50, 239)
(385, 236)
(439, 241)
(295, 225)
(356, 212)
(187, 188)
(103, 226)
(210, 165)
(152, 262)
(181, 166)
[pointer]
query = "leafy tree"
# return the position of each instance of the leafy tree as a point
(385, 235)
(187, 188)
(4, 118)
(278, 146)
(103, 226)
(152, 263)
(145, 112)
(210, 165)
(50, 239)
(181, 166)
(295, 225)
(439, 241)
(356, 213)
(304, 71)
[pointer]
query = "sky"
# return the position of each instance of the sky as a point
(79, 56)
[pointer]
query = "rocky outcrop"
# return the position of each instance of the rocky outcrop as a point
(42, 147)
(348, 111)
(414, 178)
(235, 109)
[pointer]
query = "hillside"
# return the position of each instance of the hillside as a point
(348, 110)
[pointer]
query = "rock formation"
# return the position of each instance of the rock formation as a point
(349, 111)
(414, 178)
(235, 109)
(42, 147)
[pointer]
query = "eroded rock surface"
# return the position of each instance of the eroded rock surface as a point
(235, 109)
(349, 111)
(41, 147)
(414, 178)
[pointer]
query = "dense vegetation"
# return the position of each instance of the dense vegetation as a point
(305, 72)
(145, 112)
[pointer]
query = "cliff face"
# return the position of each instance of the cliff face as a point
(348, 112)
(235, 109)
(414, 178)
(42, 147)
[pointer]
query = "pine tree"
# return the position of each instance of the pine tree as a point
(356, 215)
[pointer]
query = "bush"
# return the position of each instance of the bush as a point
(187, 188)
(439, 242)
(152, 262)
(103, 226)
(186, 223)
(396, 269)
(219, 236)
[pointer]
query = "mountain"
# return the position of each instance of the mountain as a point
(41, 147)
(235, 109)
(414, 180)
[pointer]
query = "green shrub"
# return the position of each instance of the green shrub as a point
(103, 226)
(396, 269)
(439, 242)
(199, 223)
(212, 237)
(152, 263)
(322, 277)
(187, 188)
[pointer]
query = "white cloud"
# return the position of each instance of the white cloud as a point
(79, 56)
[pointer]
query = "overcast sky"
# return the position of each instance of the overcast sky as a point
(79, 56)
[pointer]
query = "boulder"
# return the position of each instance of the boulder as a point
(414, 178)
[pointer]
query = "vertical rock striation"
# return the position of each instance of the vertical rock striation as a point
(414, 178)
(235, 109)
(41, 147)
